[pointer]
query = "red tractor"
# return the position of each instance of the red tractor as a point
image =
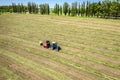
(45, 44)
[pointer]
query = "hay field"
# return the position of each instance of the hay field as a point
(90, 48)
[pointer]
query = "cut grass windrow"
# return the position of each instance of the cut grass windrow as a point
(91, 50)
(93, 59)
(8, 74)
(106, 63)
(38, 67)
(69, 63)
(21, 70)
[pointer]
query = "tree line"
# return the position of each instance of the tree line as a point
(105, 8)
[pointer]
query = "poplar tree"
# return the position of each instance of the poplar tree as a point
(65, 8)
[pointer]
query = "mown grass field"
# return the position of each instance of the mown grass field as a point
(90, 48)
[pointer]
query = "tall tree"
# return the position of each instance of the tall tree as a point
(83, 9)
(44, 9)
(106, 7)
(56, 9)
(99, 9)
(78, 9)
(14, 7)
(60, 10)
(119, 8)
(87, 8)
(47, 9)
(36, 9)
(74, 9)
(115, 8)
(18, 8)
(30, 7)
(69, 11)
(65, 8)
(22, 8)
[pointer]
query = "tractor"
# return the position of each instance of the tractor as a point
(47, 44)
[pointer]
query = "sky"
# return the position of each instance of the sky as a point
(50, 2)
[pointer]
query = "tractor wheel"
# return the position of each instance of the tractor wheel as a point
(52, 48)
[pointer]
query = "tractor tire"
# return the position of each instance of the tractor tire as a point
(52, 48)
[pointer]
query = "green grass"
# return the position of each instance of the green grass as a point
(8, 74)
(66, 62)
(89, 46)
(35, 66)
(71, 53)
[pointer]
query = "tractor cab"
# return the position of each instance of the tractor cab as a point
(55, 46)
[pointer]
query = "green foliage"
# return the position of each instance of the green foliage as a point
(32, 8)
(105, 8)
(65, 8)
(69, 11)
(44, 9)
(78, 10)
(56, 9)
(74, 9)
(83, 9)
(4, 9)
(60, 10)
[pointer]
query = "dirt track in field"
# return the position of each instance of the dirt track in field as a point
(90, 48)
